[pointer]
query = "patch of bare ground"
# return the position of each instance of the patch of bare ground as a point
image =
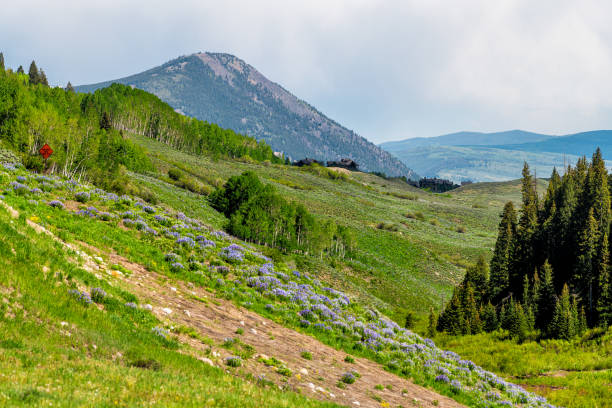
(218, 319)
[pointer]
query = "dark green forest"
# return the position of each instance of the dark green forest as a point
(550, 271)
(88, 132)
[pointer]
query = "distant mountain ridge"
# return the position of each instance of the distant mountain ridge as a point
(468, 139)
(225, 90)
(496, 156)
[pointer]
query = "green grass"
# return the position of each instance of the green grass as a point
(574, 373)
(400, 263)
(57, 351)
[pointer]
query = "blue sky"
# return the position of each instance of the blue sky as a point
(387, 69)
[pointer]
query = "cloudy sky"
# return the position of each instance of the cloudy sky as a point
(386, 69)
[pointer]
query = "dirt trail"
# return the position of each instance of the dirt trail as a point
(219, 319)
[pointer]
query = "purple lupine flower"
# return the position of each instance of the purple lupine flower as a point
(442, 378)
(56, 204)
(185, 241)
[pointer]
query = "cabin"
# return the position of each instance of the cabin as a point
(348, 164)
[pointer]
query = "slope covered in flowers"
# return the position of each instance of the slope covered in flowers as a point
(238, 271)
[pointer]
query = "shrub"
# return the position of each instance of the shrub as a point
(233, 361)
(348, 378)
(349, 359)
(82, 196)
(306, 355)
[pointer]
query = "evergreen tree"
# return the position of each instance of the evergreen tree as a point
(499, 281)
(433, 323)
(473, 324)
(604, 299)
(43, 78)
(546, 298)
(20, 70)
(584, 275)
(2, 68)
(105, 121)
(524, 256)
(34, 74)
(69, 87)
(452, 320)
(489, 317)
(514, 321)
(409, 323)
(477, 276)
(565, 322)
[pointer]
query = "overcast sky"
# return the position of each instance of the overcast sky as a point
(386, 69)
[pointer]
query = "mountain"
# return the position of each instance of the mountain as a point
(467, 139)
(581, 144)
(223, 89)
(496, 156)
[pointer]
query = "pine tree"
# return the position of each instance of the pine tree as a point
(499, 281)
(565, 322)
(43, 78)
(604, 299)
(69, 87)
(105, 121)
(20, 70)
(546, 299)
(524, 256)
(473, 324)
(2, 68)
(433, 322)
(452, 320)
(584, 274)
(478, 277)
(34, 74)
(489, 317)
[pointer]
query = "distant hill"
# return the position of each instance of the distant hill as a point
(577, 144)
(223, 89)
(496, 156)
(467, 139)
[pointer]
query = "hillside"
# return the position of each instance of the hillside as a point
(495, 156)
(223, 89)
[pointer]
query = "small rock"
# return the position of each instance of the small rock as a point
(187, 313)
(242, 322)
(356, 403)
(148, 307)
(311, 386)
(332, 395)
(303, 371)
(320, 389)
(167, 310)
(207, 361)
(98, 259)
(172, 288)
(253, 331)
(264, 323)
(215, 354)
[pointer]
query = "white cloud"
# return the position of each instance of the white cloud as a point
(388, 69)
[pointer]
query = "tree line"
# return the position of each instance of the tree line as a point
(550, 269)
(88, 133)
(257, 213)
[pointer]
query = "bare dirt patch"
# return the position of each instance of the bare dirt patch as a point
(218, 319)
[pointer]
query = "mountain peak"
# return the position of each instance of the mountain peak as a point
(223, 89)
